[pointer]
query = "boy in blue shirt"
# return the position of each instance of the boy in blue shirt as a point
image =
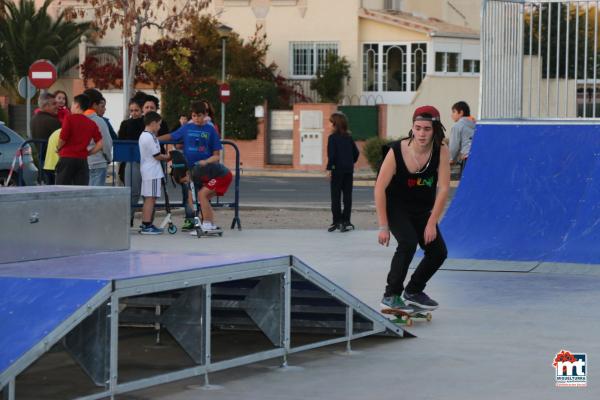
(201, 146)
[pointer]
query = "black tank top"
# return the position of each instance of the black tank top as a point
(413, 193)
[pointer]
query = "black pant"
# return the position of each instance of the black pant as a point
(341, 183)
(49, 177)
(72, 171)
(409, 231)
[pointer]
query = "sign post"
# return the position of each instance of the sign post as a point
(27, 91)
(224, 95)
(42, 75)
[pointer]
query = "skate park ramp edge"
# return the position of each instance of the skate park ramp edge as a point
(529, 195)
(44, 300)
(37, 312)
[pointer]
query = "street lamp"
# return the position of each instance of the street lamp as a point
(224, 33)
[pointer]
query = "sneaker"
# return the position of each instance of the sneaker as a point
(188, 224)
(210, 227)
(346, 226)
(333, 227)
(151, 230)
(420, 300)
(394, 302)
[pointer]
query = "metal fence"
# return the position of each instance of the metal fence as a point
(540, 59)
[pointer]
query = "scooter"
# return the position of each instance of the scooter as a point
(197, 221)
(167, 222)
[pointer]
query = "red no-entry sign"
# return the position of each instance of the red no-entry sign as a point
(42, 74)
(224, 92)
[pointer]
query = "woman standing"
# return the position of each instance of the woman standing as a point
(342, 153)
(62, 102)
(410, 195)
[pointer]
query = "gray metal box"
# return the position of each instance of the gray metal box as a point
(57, 221)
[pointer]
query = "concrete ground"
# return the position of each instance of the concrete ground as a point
(494, 337)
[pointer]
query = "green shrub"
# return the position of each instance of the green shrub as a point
(240, 122)
(329, 82)
(373, 151)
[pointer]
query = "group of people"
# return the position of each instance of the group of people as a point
(196, 167)
(79, 138)
(410, 195)
(80, 149)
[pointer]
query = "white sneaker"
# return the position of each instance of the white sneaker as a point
(209, 227)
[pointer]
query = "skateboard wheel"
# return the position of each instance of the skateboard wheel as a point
(428, 317)
(172, 229)
(409, 322)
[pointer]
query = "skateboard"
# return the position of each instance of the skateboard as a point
(403, 317)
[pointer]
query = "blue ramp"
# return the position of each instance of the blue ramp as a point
(38, 310)
(530, 192)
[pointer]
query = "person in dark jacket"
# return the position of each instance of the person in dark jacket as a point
(43, 124)
(342, 153)
(46, 120)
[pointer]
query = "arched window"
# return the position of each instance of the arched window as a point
(418, 65)
(394, 68)
(370, 67)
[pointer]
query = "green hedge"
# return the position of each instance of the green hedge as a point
(373, 151)
(240, 122)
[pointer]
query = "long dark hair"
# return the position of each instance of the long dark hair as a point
(340, 123)
(209, 109)
(64, 94)
(438, 130)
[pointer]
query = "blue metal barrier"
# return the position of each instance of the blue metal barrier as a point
(128, 151)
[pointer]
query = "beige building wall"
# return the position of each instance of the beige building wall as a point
(372, 31)
(309, 20)
(457, 12)
(439, 92)
(544, 98)
(113, 36)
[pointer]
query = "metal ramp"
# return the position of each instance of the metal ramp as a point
(81, 303)
(536, 203)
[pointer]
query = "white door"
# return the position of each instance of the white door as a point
(281, 138)
(311, 137)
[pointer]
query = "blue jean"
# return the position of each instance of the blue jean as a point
(97, 177)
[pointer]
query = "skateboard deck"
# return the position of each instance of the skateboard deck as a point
(404, 317)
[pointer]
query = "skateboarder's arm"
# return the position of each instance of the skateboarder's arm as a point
(386, 173)
(441, 197)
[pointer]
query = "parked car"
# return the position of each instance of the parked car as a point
(10, 142)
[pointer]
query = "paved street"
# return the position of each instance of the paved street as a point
(289, 192)
(271, 191)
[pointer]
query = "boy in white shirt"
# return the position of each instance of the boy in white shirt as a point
(151, 171)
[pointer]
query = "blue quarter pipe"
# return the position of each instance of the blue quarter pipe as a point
(531, 192)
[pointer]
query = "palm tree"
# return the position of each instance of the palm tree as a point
(27, 34)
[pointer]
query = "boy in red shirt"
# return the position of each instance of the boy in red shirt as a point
(75, 136)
